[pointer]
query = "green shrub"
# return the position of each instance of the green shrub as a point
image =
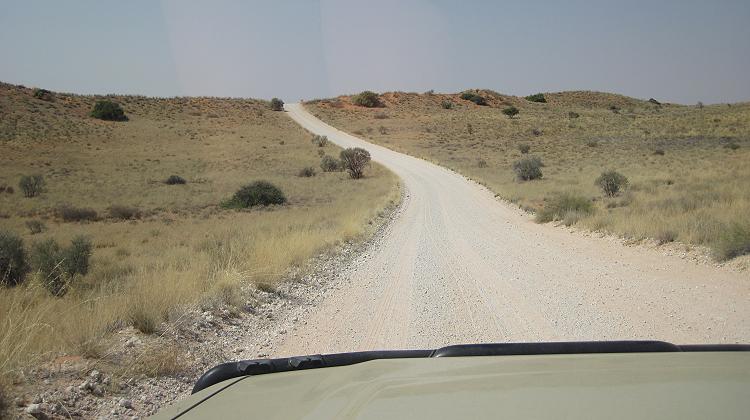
(124, 212)
(321, 152)
(108, 111)
(733, 241)
(330, 164)
(528, 169)
(43, 94)
(306, 172)
(46, 259)
(258, 193)
(446, 105)
(35, 226)
(573, 114)
(612, 182)
(510, 111)
(57, 266)
(175, 180)
(76, 257)
(732, 146)
(75, 214)
(473, 97)
(537, 97)
(31, 185)
(481, 163)
(367, 99)
(13, 266)
(354, 160)
(320, 141)
(568, 207)
(382, 130)
(277, 104)
(524, 148)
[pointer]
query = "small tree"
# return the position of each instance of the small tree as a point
(13, 266)
(354, 160)
(31, 185)
(611, 182)
(510, 111)
(528, 169)
(277, 104)
(108, 111)
(537, 97)
(367, 99)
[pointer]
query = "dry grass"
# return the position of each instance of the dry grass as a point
(688, 166)
(183, 248)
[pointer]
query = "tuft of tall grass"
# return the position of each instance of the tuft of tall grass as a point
(569, 207)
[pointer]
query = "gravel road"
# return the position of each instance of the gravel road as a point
(458, 265)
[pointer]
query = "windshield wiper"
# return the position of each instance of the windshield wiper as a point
(254, 367)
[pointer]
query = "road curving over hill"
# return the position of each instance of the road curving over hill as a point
(456, 265)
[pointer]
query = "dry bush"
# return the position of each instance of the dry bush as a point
(569, 207)
(31, 185)
(306, 172)
(355, 160)
(35, 226)
(69, 213)
(124, 212)
(528, 169)
(612, 182)
(320, 141)
(330, 164)
(175, 180)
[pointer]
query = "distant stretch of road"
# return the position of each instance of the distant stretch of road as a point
(458, 266)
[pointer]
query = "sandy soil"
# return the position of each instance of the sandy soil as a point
(458, 266)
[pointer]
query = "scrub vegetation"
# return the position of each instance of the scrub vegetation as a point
(639, 169)
(120, 224)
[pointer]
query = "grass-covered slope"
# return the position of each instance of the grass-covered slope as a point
(688, 167)
(157, 247)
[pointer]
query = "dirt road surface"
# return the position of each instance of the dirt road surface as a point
(458, 265)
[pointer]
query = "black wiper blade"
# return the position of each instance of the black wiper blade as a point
(254, 367)
(231, 370)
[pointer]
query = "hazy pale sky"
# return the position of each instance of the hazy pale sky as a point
(679, 51)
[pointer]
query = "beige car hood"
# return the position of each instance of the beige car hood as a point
(710, 385)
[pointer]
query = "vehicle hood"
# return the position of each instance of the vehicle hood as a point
(635, 385)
